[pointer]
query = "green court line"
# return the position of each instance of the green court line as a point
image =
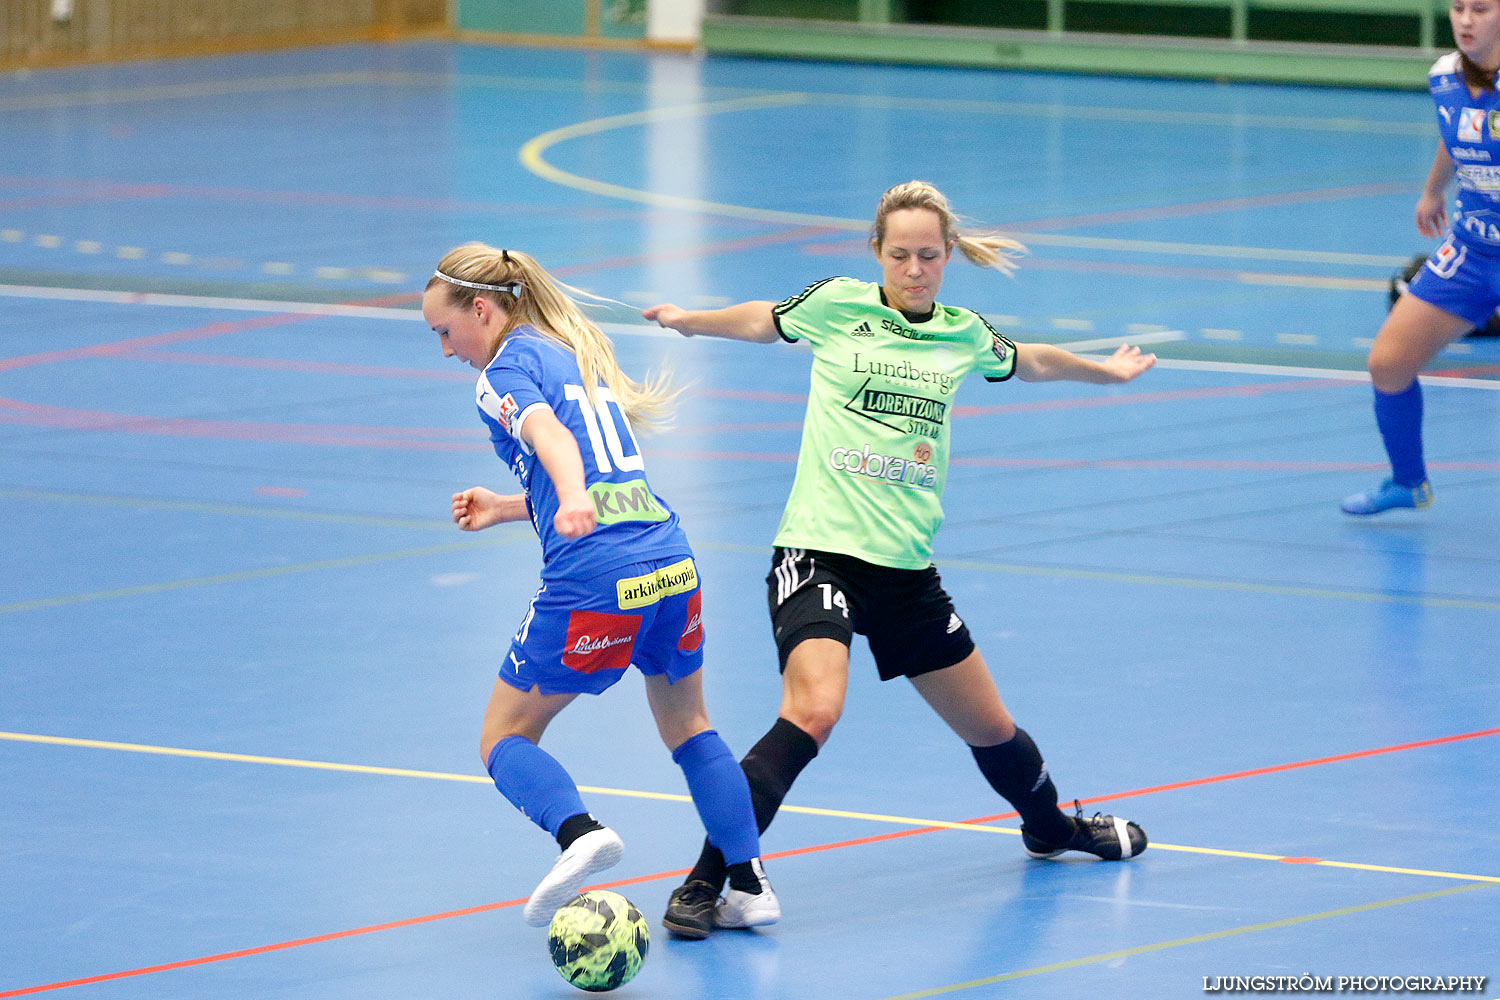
(252, 574)
(1197, 583)
(1231, 586)
(1016, 569)
(1145, 949)
(238, 510)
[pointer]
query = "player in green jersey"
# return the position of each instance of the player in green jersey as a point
(854, 549)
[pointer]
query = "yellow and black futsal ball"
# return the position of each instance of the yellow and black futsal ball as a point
(598, 941)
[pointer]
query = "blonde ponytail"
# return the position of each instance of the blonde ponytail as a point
(533, 296)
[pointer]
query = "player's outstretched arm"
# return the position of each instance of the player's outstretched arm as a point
(750, 321)
(1050, 363)
(477, 508)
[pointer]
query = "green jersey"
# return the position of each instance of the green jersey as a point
(874, 455)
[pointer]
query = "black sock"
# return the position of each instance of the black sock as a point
(771, 766)
(1016, 770)
(745, 876)
(574, 827)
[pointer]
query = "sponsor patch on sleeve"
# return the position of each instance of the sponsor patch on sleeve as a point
(504, 410)
(999, 347)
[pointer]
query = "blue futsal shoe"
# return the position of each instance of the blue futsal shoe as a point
(1388, 495)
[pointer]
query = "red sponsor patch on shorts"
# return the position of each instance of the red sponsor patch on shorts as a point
(692, 633)
(598, 640)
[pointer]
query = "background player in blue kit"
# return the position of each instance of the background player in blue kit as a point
(619, 585)
(1459, 288)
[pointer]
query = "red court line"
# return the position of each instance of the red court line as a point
(794, 852)
(1044, 405)
(155, 340)
(1273, 769)
(135, 344)
(1158, 212)
(466, 376)
(1316, 762)
(1474, 371)
(1165, 396)
(404, 438)
(261, 950)
(1184, 209)
(692, 252)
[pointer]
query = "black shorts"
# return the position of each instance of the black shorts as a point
(905, 614)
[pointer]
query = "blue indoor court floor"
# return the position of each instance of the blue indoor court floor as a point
(244, 653)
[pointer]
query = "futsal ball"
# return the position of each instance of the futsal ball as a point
(598, 941)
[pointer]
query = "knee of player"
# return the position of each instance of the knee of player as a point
(1389, 373)
(676, 732)
(816, 718)
(489, 739)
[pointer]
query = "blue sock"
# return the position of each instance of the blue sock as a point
(1399, 417)
(722, 795)
(534, 782)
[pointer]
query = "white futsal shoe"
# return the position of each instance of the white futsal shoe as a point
(588, 855)
(745, 909)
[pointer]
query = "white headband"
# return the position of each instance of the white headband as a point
(509, 286)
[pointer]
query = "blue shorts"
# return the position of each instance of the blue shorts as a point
(1460, 279)
(580, 636)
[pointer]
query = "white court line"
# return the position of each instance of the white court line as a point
(1156, 337)
(206, 302)
(1343, 374)
(649, 330)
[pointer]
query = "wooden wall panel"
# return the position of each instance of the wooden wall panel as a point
(51, 32)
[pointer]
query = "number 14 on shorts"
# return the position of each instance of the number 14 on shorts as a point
(833, 599)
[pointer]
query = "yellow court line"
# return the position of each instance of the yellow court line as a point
(1145, 949)
(531, 158)
(238, 758)
(243, 576)
(913, 821)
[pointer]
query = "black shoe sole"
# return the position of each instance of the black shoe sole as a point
(688, 931)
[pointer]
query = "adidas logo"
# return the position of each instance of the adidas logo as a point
(863, 330)
(954, 624)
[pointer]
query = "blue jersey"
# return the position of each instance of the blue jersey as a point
(533, 372)
(1470, 128)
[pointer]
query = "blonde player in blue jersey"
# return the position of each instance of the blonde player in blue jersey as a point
(853, 553)
(1459, 288)
(619, 586)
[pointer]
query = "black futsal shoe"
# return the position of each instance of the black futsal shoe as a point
(1107, 837)
(690, 910)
